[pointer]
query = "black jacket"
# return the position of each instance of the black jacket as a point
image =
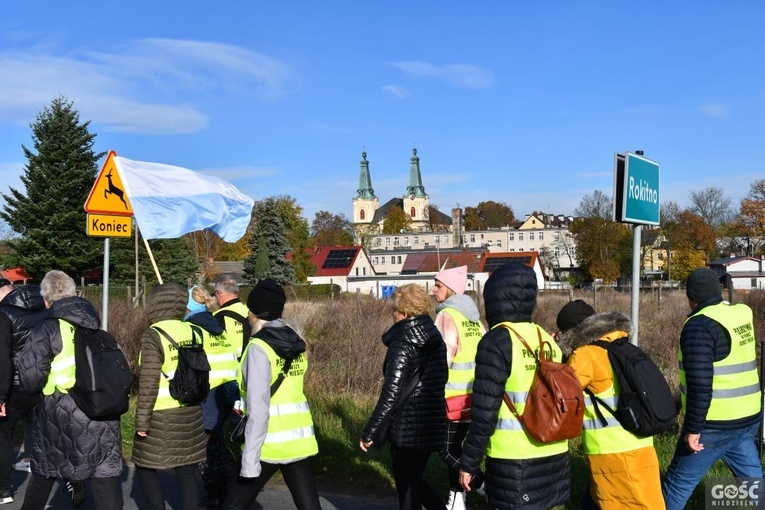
(414, 346)
(20, 311)
(510, 296)
(704, 341)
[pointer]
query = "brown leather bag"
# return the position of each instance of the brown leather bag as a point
(555, 403)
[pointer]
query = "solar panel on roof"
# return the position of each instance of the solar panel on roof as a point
(494, 263)
(337, 259)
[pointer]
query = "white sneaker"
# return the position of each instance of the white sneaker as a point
(456, 500)
(23, 465)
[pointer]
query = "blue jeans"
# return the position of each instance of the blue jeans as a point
(735, 447)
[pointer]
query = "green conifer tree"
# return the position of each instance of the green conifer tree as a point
(48, 213)
(268, 239)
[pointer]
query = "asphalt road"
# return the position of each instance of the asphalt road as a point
(275, 496)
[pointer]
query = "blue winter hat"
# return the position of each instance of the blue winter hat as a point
(194, 306)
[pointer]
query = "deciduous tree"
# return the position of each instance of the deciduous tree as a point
(329, 229)
(489, 214)
(711, 205)
(602, 246)
(396, 221)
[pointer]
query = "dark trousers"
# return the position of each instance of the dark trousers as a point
(106, 493)
(298, 475)
(455, 436)
(186, 476)
(413, 492)
(19, 405)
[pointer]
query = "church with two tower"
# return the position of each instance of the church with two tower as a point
(367, 211)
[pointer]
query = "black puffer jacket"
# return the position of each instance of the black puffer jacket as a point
(704, 341)
(20, 311)
(510, 296)
(414, 345)
(66, 443)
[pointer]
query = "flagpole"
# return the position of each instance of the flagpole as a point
(153, 263)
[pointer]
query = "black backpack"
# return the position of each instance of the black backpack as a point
(102, 375)
(191, 382)
(645, 405)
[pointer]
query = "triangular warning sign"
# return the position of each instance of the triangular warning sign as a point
(108, 194)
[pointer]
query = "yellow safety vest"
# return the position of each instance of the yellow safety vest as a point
(62, 367)
(234, 328)
(611, 437)
(509, 440)
(735, 384)
(462, 369)
(223, 355)
(290, 432)
(182, 333)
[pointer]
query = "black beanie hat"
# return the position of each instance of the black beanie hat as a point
(573, 314)
(266, 300)
(702, 284)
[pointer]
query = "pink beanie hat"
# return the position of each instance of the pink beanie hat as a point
(454, 278)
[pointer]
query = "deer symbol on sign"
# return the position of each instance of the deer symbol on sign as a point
(114, 190)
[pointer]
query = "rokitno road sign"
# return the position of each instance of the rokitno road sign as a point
(636, 190)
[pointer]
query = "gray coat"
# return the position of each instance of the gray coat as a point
(176, 437)
(66, 443)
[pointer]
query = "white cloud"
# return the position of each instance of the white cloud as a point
(461, 75)
(110, 87)
(714, 110)
(396, 91)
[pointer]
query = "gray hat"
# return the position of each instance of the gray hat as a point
(702, 284)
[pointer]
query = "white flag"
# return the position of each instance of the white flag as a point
(170, 201)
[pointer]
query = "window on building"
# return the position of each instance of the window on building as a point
(406, 241)
(531, 236)
(511, 249)
(499, 242)
(412, 213)
(364, 271)
(533, 249)
(481, 236)
(416, 240)
(541, 236)
(511, 237)
(357, 273)
(362, 214)
(374, 261)
(557, 252)
(378, 241)
(399, 259)
(395, 241)
(556, 236)
(754, 283)
(387, 241)
(520, 236)
(472, 238)
(382, 260)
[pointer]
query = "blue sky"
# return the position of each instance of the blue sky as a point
(518, 102)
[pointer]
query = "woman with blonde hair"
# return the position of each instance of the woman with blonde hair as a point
(411, 410)
(222, 352)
